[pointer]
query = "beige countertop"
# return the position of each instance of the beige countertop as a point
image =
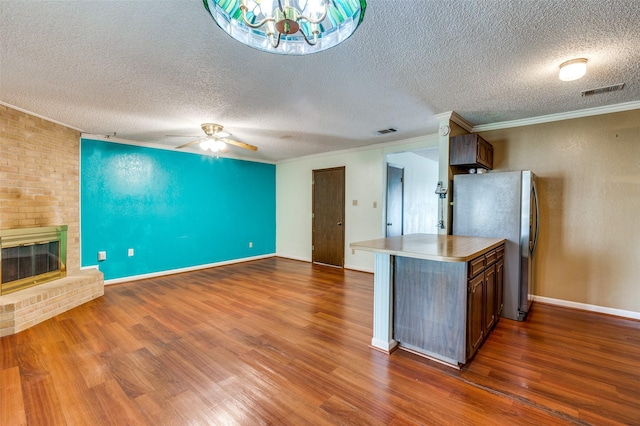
(443, 248)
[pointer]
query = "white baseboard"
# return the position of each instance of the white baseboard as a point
(359, 268)
(188, 269)
(300, 258)
(305, 259)
(587, 307)
(84, 268)
(383, 345)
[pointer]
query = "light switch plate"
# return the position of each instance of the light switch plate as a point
(130, 252)
(102, 255)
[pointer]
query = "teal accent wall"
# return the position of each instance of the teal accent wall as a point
(175, 209)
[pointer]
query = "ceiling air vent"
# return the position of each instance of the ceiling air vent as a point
(600, 90)
(385, 131)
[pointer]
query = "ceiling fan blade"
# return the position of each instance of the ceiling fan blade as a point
(189, 144)
(240, 144)
(214, 133)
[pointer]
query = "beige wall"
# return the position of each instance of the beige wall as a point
(589, 187)
(39, 180)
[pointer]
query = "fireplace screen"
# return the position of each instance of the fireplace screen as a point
(32, 256)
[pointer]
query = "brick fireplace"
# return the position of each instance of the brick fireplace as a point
(39, 187)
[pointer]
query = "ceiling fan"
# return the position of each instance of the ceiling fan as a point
(217, 140)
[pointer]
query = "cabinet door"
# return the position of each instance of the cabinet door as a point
(499, 287)
(490, 156)
(475, 329)
(484, 153)
(489, 299)
(463, 150)
(481, 152)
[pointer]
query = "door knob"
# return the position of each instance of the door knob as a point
(339, 223)
(389, 224)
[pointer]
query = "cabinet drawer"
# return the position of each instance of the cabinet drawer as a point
(490, 257)
(476, 266)
(499, 252)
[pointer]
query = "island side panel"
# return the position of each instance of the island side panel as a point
(430, 307)
(383, 303)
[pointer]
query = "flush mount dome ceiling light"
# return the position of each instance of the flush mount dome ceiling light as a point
(573, 69)
(288, 27)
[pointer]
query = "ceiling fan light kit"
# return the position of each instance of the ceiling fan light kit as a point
(573, 69)
(216, 140)
(288, 27)
(213, 145)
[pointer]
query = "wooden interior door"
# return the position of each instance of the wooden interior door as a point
(395, 200)
(328, 216)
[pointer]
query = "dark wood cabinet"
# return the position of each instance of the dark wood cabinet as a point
(489, 298)
(475, 327)
(445, 309)
(484, 301)
(499, 282)
(470, 151)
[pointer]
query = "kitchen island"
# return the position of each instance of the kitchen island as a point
(435, 295)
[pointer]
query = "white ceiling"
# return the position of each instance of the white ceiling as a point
(146, 69)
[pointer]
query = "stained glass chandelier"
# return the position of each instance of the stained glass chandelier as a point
(288, 27)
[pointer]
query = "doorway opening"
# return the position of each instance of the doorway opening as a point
(420, 178)
(395, 200)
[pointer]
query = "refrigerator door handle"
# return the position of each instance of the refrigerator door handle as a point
(534, 191)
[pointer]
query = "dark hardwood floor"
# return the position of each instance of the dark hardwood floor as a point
(277, 341)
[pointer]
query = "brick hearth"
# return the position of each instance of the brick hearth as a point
(28, 307)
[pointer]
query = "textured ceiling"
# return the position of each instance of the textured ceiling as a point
(147, 69)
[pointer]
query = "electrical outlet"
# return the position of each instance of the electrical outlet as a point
(130, 252)
(102, 255)
(250, 244)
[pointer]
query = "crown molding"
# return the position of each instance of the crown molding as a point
(453, 116)
(380, 146)
(589, 112)
(444, 116)
(461, 122)
(151, 145)
(40, 116)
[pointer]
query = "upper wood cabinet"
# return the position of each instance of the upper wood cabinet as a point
(470, 151)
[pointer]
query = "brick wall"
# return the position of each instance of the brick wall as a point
(39, 177)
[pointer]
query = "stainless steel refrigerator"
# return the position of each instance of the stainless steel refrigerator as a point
(502, 205)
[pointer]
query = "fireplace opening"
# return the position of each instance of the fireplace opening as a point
(31, 256)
